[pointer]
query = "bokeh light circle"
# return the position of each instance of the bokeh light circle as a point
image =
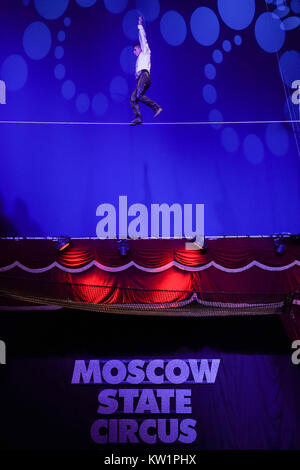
(118, 89)
(100, 104)
(214, 116)
(86, 3)
(226, 45)
(289, 63)
(14, 72)
(205, 26)
(51, 10)
(210, 71)
(67, 21)
(230, 139)
(61, 36)
(128, 60)
(59, 52)
(253, 149)
(59, 71)
(129, 24)
(68, 89)
(115, 6)
(173, 28)
(217, 56)
(295, 6)
(37, 40)
(290, 23)
(237, 14)
(209, 94)
(237, 40)
(82, 102)
(277, 139)
(149, 8)
(269, 36)
(281, 11)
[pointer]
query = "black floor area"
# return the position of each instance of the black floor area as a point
(42, 333)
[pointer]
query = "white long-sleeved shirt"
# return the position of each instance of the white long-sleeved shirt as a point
(143, 61)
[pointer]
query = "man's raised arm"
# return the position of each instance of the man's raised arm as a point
(142, 37)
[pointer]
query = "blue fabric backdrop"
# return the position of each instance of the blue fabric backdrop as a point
(71, 60)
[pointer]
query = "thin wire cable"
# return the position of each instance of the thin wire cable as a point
(192, 123)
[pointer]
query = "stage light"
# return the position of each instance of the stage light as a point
(123, 247)
(63, 243)
(280, 247)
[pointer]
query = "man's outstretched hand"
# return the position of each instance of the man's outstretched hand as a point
(140, 20)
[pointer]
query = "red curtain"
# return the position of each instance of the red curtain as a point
(153, 272)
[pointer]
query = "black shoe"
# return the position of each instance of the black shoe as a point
(159, 110)
(136, 121)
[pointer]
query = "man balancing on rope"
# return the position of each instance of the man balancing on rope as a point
(142, 73)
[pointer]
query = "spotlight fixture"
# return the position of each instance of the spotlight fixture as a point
(280, 247)
(123, 247)
(63, 242)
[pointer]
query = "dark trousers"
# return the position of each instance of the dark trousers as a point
(143, 83)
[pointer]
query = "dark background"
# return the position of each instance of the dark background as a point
(252, 405)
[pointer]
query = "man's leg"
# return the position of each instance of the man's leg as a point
(142, 86)
(134, 104)
(154, 106)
